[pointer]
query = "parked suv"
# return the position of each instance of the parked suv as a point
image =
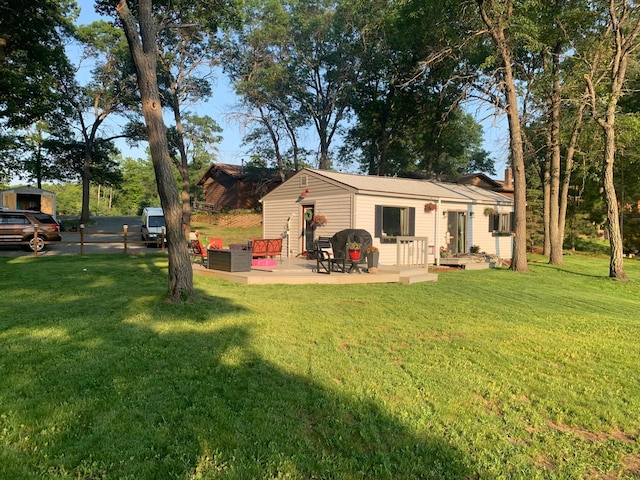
(20, 226)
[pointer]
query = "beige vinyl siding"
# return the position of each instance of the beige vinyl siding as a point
(500, 245)
(425, 223)
(332, 201)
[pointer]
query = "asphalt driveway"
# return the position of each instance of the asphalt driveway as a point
(107, 232)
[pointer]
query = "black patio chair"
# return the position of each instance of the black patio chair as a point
(341, 253)
(323, 253)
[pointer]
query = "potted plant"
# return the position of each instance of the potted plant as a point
(354, 250)
(430, 207)
(373, 255)
(490, 211)
(319, 220)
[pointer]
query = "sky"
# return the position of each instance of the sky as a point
(230, 150)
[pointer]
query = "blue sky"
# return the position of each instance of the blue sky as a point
(230, 150)
(219, 107)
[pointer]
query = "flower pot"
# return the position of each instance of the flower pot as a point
(372, 260)
(354, 254)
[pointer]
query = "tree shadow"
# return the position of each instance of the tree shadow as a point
(571, 271)
(143, 399)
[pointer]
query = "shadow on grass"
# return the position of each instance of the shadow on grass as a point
(116, 394)
(600, 274)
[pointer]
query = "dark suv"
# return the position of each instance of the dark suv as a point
(21, 225)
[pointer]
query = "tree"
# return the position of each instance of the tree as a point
(138, 188)
(35, 163)
(110, 92)
(192, 152)
(497, 16)
(32, 58)
(406, 98)
(142, 37)
(308, 69)
(185, 61)
(550, 32)
(255, 60)
(619, 42)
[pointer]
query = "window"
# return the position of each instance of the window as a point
(12, 219)
(392, 222)
(501, 223)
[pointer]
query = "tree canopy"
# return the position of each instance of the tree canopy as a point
(32, 58)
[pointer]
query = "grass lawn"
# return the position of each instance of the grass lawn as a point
(229, 235)
(483, 374)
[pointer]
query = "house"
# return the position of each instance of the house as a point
(477, 179)
(236, 187)
(484, 181)
(452, 217)
(29, 198)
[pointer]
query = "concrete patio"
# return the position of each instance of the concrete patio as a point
(297, 271)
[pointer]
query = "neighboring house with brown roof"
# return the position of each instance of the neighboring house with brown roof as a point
(453, 217)
(483, 181)
(236, 187)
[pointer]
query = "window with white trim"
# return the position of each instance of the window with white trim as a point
(501, 223)
(392, 222)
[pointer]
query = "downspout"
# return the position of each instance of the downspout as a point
(354, 202)
(436, 243)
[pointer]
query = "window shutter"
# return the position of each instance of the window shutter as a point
(512, 222)
(492, 222)
(378, 222)
(412, 222)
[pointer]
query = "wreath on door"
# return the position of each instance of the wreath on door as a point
(308, 215)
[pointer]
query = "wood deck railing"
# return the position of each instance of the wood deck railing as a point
(412, 251)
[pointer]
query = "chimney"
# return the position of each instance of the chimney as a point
(508, 178)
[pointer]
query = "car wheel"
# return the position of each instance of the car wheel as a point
(37, 243)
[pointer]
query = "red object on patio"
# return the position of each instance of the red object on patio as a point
(215, 243)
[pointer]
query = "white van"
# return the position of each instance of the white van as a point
(152, 226)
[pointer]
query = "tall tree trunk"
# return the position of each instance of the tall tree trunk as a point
(616, 262)
(624, 29)
(546, 197)
(568, 166)
(519, 255)
(183, 166)
(144, 53)
(323, 163)
(555, 251)
(497, 29)
(85, 215)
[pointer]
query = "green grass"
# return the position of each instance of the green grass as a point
(483, 374)
(229, 235)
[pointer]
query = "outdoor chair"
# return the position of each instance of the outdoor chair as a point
(325, 261)
(198, 251)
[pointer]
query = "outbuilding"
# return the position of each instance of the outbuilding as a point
(29, 198)
(407, 218)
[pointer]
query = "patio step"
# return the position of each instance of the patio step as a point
(408, 278)
(476, 266)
